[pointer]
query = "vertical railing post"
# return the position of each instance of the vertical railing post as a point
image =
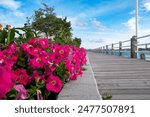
(146, 46)
(103, 49)
(106, 49)
(120, 48)
(112, 49)
(133, 47)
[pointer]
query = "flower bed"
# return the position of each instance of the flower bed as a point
(38, 69)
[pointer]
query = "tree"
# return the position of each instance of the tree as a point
(46, 21)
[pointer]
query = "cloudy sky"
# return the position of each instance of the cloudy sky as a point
(97, 22)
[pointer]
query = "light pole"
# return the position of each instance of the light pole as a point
(136, 20)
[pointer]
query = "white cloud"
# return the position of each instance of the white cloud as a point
(76, 22)
(10, 19)
(18, 13)
(147, 6)
(11, 4)
(131, 24)
(98, 25)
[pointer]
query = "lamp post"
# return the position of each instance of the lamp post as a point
(136, 20)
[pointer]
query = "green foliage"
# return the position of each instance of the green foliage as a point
(61, 72)
(46, 21)
(28, 34)
(3, 36)
(12, 94)
(8, 36)
(77, 41)
(106, 96)
(22, 60)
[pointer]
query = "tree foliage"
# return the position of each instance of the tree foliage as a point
(45, 20)
(77, 41)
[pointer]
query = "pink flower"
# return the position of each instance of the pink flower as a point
(35, 51)
(22, 92)
(44, 43)
(61, 52)
(36, 62)
(36, 76)
(33, 41)
(26, 47)
(21, 76)
(5, 82)
(39, 95)
(54, 84)
(49, 68)
(13, 48)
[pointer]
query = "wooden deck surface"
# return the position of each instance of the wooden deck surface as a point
(123, 78)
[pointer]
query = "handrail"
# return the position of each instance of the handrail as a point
(126, 41)
(133, 47)
(143, 36)
(143, 44)
(126, 46)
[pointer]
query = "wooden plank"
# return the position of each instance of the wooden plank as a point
(146, 81)
(123, 78)
(131, 97)
(125, 91)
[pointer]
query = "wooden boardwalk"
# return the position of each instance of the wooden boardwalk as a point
(123, 78)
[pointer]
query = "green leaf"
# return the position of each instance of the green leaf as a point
(11, 36)
(3, 35)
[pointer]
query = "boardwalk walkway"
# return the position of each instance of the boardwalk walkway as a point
(123, 78)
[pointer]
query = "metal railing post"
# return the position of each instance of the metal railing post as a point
(146, 46)
(106, 49)
(103, 49)
(133, 47)
(112, 49)
(120, 48)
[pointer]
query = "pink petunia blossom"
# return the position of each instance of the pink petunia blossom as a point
(39, 95)
(36, 62)
(49, 68)
(26, 47)
(22, 92)
(33, 41)
(35, 76)
(44, 43)
(54, 84)
(35, 51)
(5, 82)
(21, 76)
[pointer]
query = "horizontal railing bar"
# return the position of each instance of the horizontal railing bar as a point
(143, 44)
(144, 51)
(116, 47)
(115, 43)
(126, 46)
(143, 36)
(126, 41)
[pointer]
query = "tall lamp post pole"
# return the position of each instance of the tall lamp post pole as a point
(136, 20)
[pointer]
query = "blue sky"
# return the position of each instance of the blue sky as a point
(97, 22)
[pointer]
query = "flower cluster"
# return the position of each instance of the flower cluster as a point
(38, 68)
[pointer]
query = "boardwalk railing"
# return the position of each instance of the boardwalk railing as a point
(131, 46)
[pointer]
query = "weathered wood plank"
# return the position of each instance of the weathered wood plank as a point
(123, 78)
(125, 91)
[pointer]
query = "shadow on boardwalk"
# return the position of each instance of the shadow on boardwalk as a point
(122, 78)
